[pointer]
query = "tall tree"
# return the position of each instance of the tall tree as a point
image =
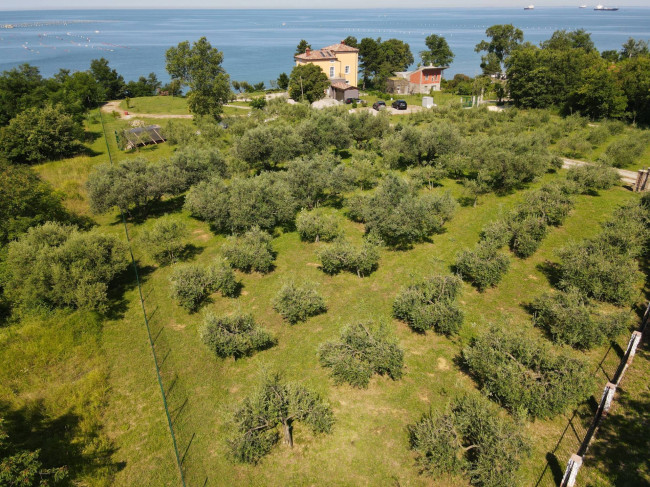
(633, 48)
(20, 88)
(109, 79)
(351, 41)
(577, 39)
(379, 60)
(283, 81)
(307, 82)
(503, 40)
(439, 53)
(199, 68)
(302, 47)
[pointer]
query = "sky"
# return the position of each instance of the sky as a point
(143, 4)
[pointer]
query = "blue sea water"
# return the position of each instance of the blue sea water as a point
(259, 44)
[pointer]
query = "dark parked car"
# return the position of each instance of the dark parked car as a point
(399, 105)
(378, 105)
(358, 101)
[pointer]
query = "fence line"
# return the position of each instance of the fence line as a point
(146, 320)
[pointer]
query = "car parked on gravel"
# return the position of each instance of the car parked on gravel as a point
(379, 105)
(358, 101)
(399, 105)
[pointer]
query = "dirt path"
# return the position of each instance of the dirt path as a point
(114, 106)
(628, 177)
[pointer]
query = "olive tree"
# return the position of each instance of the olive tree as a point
(362, 351)
(250, 252)
(472, 438)
(234, 336)
(522, 373)
(484, 266)
(275, 404)
(298, 302)
(430, 304)
(342, 255)
(191, 284)
(317, 225)
(592, 177)
(166, 239)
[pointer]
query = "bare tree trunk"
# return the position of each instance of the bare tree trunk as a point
(288, 433)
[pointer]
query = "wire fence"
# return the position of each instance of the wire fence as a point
(564, 461)
(153, 338)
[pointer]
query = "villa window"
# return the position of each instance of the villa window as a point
(331, 71)
(347, 70)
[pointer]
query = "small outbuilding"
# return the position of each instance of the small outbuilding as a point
(341, 91)
(141, 136)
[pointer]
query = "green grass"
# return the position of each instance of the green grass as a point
(172, 105)
(369, 444)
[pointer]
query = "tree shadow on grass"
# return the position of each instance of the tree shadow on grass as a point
(126, 281)
(62, 440)
(552, 271)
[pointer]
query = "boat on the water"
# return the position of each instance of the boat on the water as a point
(606, 9)
(530, 7)
(582, 6)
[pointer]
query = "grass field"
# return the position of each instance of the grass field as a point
(369, 444)
(173, 105)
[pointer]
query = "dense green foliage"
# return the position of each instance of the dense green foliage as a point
(431, 304)
(484, 266)
(341, 255)
(380, 59)
(307, 82)
(316, 225)
(199, 68)
(234, 336)
(568, 317)
(362, 351)
(250, 252)
(504, 39)
(592, 177)
(191, 284)
(56, 265)
(298, 302)
(275, 403)
(166, 239)
(525, 374)
(472, 438)
(439, 53)
(40, 134)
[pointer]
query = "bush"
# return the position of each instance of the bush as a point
(362, 350)
(498, 443)
(497, 233)
(527, 236)
(524, 374)
(58, 265)
(191, 284)
(166, 239)
(316, 225)
(484, 266)
(250, 252)
(574, 146)
(297, 303)
(592, 177)
(234, 336)
(623, 152)
(552, 203)
(41, 134)
(598, 270)
(569, 318)
(342, 255)
(627, 231)
(429, 304)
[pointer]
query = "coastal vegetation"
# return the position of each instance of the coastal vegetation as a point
(449, 285)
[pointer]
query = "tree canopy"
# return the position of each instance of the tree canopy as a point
(439, 53)
(307, 82)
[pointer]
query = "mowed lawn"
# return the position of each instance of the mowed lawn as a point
(369, 443)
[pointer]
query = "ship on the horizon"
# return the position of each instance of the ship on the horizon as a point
(600, 7)
(530, 7)
(582, 6)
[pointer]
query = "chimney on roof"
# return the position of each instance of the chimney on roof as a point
(307, 51)
(343, 42)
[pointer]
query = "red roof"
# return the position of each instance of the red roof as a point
(340, 47)
(321, 54)
(342, 85)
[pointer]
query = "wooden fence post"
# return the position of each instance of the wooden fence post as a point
(571, 472)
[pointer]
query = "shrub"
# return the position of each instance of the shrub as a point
(527, 236)
(569, 318)
(317, 225)
(592, 177)
(234, 336)
(297, 303)
(598, 270)
(362, 350)
(484, 266)
(250, 252)
(524, 374)
(429, 304)
(165, 241)
(497, 233)
(627, 231)
(574, 146)
(58, 265)
(497, 444)
(191, 284)
(623, 152)
(552, 203)
(342, 255)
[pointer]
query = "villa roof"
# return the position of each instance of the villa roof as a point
(342, 85)
(318, 55)
(341, 47)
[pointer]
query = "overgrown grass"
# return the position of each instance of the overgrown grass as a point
(172, 105)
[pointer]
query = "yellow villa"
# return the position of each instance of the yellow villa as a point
(341, 65)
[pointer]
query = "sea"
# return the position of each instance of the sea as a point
(258, 45)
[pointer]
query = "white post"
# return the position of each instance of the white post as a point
(571, 472)
(608, 396)
(635, 339)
